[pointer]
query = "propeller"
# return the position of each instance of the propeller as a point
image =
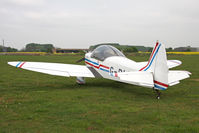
(80, 60)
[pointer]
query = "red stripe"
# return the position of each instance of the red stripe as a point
(165, 85)
(22, 64)
(96, 66)
(116, 75)
(91, 64)
(103, 66)
(150, 57)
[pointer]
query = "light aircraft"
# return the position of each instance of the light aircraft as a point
(108, 62)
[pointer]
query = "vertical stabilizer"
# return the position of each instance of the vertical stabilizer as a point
(157, 64)
(161, 69)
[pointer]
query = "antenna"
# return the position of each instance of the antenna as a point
(4, 49)
(3, 42)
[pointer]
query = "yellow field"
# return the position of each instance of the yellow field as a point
(184, 53)
(24, 53)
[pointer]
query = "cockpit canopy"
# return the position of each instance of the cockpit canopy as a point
(104, 51)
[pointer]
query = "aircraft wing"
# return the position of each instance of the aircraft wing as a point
(141, 78)
(170, 63)
(58, 69)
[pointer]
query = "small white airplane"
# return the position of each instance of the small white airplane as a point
(108, 62)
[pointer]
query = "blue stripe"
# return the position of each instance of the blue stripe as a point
(104, 69)
(96, 64)
(153, 58)
(159, 87)
(91, 61)
(18, 64)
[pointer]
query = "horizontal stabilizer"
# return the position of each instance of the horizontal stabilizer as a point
(174, 77)
(58, 69)
(173, 63)
(170, 63)
(140, 78)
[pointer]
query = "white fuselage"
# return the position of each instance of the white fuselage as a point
(111, 66)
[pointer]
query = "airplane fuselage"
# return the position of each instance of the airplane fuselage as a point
(111, 66)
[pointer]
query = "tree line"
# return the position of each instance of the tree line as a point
(31, 47)
(36, 47)
(7, 49)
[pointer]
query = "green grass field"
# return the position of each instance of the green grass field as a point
(32, 102)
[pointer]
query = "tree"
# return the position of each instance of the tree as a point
(35, 47)
(188, 50)
(7, 49)
(130, 49)
(169, 49)
(150, 50)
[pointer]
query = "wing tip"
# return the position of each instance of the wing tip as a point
(14, 63)
(176, 62)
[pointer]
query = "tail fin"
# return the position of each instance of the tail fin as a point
(157, 64)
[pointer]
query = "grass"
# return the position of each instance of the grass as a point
(39, 103)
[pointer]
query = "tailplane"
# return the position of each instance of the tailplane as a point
(158, 66)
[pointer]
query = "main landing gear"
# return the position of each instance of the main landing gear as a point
(158, 93)
(80, 80)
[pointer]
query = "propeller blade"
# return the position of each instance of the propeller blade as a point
(82, 59)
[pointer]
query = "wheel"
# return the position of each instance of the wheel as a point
(80, 80)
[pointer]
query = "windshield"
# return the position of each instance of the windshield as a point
(104, 51)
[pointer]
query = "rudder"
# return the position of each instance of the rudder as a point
(157, 64)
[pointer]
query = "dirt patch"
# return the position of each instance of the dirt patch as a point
(91, 128)
(195, 80)
(1, 100)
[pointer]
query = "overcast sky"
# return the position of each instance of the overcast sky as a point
(81, 23)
